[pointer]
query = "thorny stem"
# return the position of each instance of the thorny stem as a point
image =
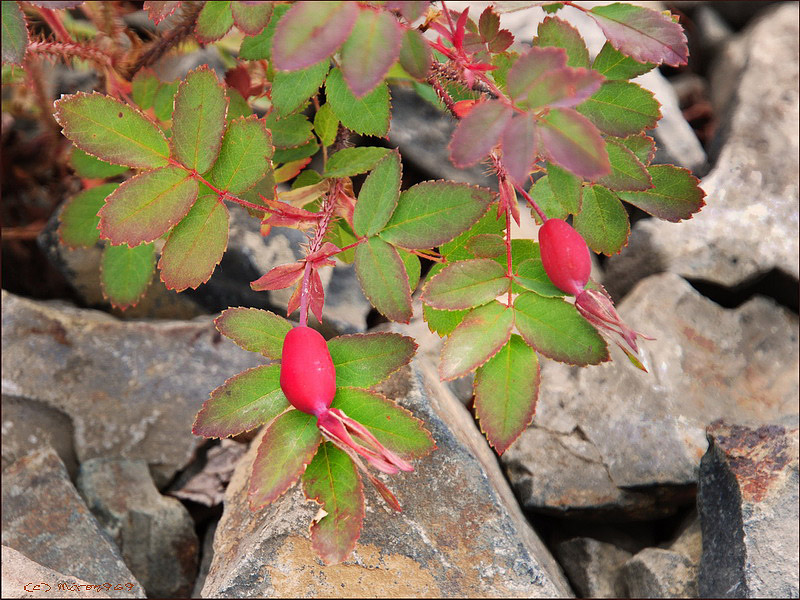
(71, 50)
(54, 22)
(532, 202)
(509, 271)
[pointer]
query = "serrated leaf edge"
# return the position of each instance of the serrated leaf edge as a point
(382, 334)
(248, 308)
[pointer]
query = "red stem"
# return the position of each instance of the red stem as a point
(532, 202)
(509, 270)
(54, 21)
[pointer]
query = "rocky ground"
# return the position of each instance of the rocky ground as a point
(680, 483)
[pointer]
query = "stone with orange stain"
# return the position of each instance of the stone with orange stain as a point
(461, 532)
(748, 503)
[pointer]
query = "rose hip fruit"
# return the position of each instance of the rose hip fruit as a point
(565, 256)
(308, 377)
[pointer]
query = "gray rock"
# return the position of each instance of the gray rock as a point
(154, 533)
(660, 573)
(24, 578)
(131, 389)
(45, 519)
(612, 440)
(28, 425)
(445, 543)
(206, 556)
(749, 224)
(593, 567)
(748, 505)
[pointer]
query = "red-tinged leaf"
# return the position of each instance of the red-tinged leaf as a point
(554, 328)
(642, 146)
(311, 31)
(627, 173)
(506, 390)
(571, 141)
(465, 284)
(57, 5)
(245, 401)
(478, 132)
(348, 162)
(558, 33)
(415, 54)
(15, 33)
(442, 322)
(411, 10)
(244, 157)
(519, 147)
(158, 11)
(316, 299)
(549, 202)
(368, 115)
(602, 222)
(111, 130)
(198, 120)
(413, 267)
(286, 449)
(279, 277)
(676, 194)
(644, 34)
(78, 220)
(214, 21)
(383, 279)
(378, 196)
(254, 329)
(196, 245)
(251, 17)
(613, 64)
(89, 167)
(146, 206)
(479, 337)
(372, 47)
(290, 170)
(566, 186)
(126, 273)
(562, 88)
(530, 67)
(332, 481)
(486, 245)
(394, 426)
(365, 359)
(434, 212)
(294, 300)
(622, 108)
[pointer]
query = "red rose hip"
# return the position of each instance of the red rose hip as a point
(308, 378)
(565, 256)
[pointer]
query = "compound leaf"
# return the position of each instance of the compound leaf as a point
(365, 359)
(627, 173)
(86, 165)
(602, 222)
(478, 132)
(79, 220)
(354, 161)
(383, 278)
(378, 196)
(250, 17)
(126, 273)
(479, 337)
(15, 33)
(372, 47)
(368, 115)
(519, 147)
(532, 276)
(613, 64)
(622, 108)
(560, 34)
(244, 157)
(254, 329)
(214, 21)
(291, 90)
(415, 54)
(466, 284)
(572, 142)
(676, 194)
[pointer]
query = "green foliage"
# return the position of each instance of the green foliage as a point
(254, 330)
(79, 220)
(364, 360)
(126, 273)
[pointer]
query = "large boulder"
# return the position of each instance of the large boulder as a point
(461, 533)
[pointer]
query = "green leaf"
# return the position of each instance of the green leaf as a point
(86, 165)
(413, 267)
(642, 146)
(288, 155)
(251, 18)
(415, 54)
(434, 212)
(196, 245)
(622, 108)
(557, 32)
(554, 328)
(353, 161)
(289, 132)
(311, 32)
(550, 202)
(383, 278)
(198, 120)
(79, 220)
(364, 360)
(245, 401)
(163, 102)
(144, 86)
(602, 222)
(465, 284)
(506, 390)
(332, 481)
(627, 173)
(146, 206)
(613, 64)
(15, 33)
(326, 124)
(486, 245)
(288, 446)
(244, 158)
(478, 132)
(214, 21)
(378, 196)
(340, 234)
(126, 273)
(254, 329)
(571, 141)
(291, 90)
(532, 276)
(237, 106)
(566, 187)
(371, 48)
(112, 131)
(395, 427)
(259, 46)
(442, 322)
(676, 194)
(368, 115)
(553, 7)
(458, 247)
(479, 337)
